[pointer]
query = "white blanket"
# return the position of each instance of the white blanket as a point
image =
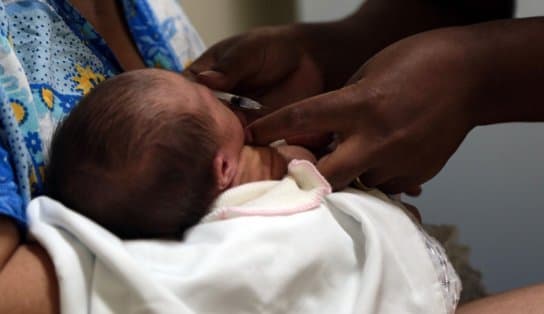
(347, 252)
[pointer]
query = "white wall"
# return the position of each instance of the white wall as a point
(492, 188)
(322, 10)
(218, 19)
(325, 10)
(530, 8)
(213, 24)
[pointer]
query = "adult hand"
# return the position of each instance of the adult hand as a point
(397, 121)
(269, 64)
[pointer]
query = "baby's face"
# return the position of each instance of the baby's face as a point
(193, 96)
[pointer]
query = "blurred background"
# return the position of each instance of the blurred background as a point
(492, 188)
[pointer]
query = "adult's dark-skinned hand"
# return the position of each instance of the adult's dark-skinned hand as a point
(268, 64)
(279, 65)
(397, 121)
(283, 64)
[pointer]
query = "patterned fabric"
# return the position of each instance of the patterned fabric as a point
(450, 283)
(10, 202)
(50, 57)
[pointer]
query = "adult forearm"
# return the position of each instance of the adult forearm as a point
(509, 58)
(28, 283)
(340, 47)
(522, 301)
(9, 240)
(27, 278)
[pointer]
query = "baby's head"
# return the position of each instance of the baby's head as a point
(145, 154)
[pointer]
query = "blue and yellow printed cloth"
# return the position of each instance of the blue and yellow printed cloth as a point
(50, 57)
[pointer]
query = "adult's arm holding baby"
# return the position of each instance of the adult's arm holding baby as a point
(27, 278)
(527, 300)
(9, 240)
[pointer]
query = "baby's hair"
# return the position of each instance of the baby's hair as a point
(123, 159)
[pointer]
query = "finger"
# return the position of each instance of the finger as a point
(324, 113)
(413, 210)
(386, 183)
(189, 75)
(357, 76)
(216, 80)
(342, 165)
(248, 64)
(202, 72)
(215, 67)
(311, 140)
(396, 185)
(206, 61)
(414, 190)
(306, 81)
(373, 178)
(236, 64)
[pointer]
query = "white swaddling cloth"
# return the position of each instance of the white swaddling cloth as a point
(346, 252)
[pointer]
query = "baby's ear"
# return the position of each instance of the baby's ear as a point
(225, 170)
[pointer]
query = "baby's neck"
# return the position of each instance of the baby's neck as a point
(259, 164)
(267, 163)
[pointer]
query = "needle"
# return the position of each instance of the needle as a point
(239, 101)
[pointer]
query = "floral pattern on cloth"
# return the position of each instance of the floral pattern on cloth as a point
(50, 57)
(10, 202)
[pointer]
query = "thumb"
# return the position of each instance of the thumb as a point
(232, 67)
(215, 80)
(343, 164)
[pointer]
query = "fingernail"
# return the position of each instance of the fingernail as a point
(210, 75)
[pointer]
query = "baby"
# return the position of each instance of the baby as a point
(147, 152)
